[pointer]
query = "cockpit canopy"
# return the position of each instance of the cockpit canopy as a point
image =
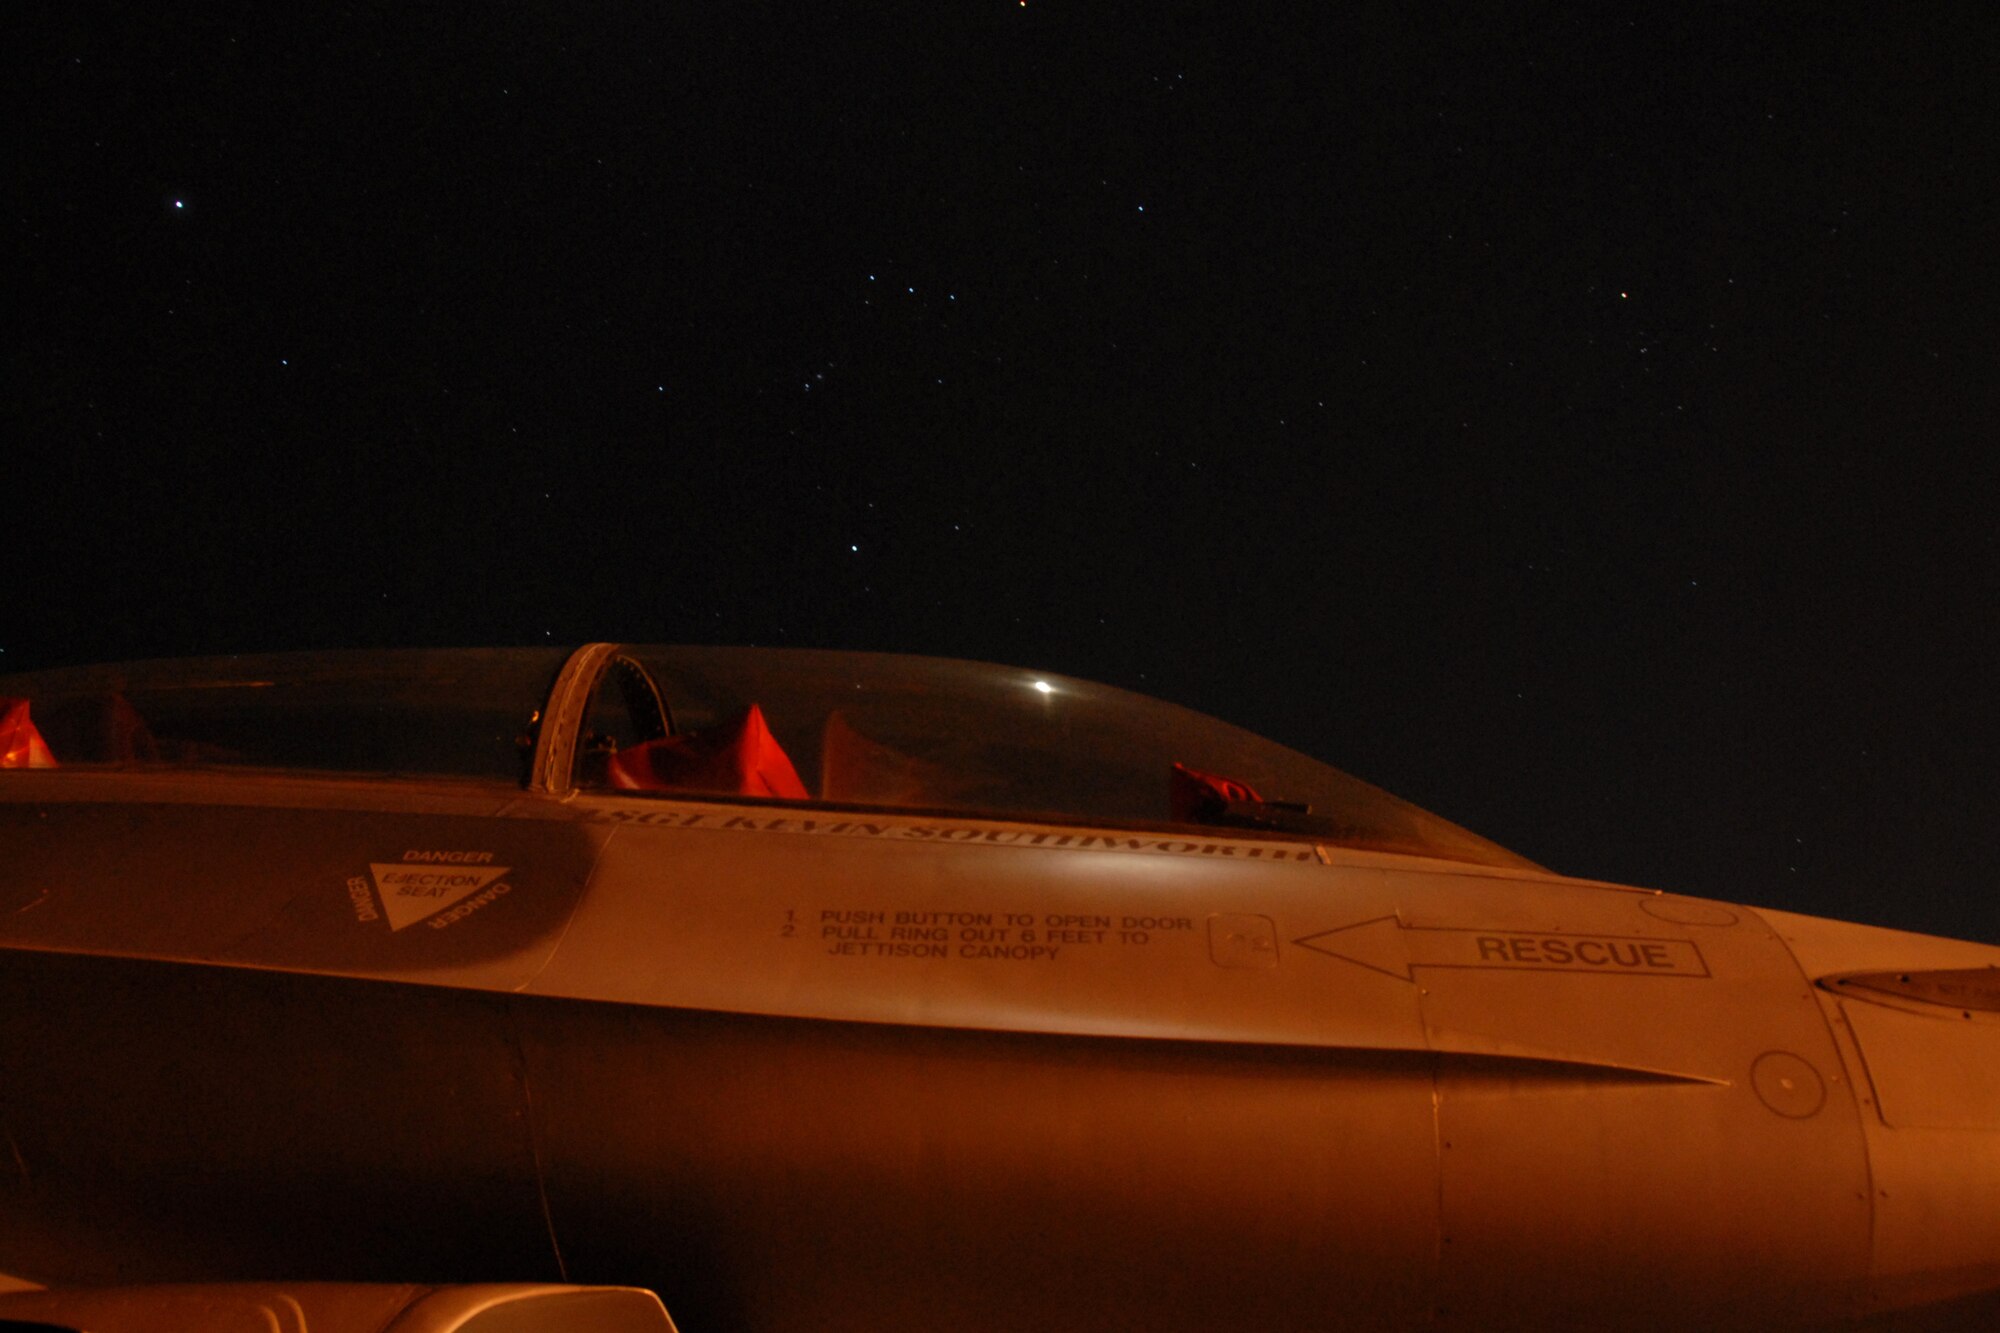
(846, 730)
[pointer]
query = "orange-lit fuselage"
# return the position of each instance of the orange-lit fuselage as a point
(887, 1072)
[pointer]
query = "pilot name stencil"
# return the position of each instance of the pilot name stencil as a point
(1385, 944)
(957, 834)
(1017, 937)
(435, 887)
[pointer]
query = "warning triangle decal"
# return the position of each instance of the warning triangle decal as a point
(410, 893)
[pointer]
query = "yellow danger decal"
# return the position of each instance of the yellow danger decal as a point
(412, 892)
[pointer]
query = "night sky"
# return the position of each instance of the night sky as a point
(1578, 422)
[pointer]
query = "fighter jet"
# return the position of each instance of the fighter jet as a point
(781, 990)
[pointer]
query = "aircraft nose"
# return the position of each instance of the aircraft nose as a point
(1929, 1043)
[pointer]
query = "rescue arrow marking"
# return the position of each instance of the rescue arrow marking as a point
(1384, 944)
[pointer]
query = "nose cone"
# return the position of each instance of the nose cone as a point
(1918, 1020)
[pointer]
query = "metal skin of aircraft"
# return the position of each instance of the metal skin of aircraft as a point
(502, 990)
